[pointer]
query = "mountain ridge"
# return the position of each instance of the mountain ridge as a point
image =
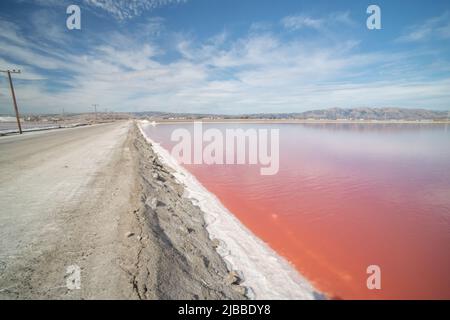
(320, 114)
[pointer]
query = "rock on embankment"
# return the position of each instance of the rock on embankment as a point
(177, 260)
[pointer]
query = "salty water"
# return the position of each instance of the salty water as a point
(346, 196)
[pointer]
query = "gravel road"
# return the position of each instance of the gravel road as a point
(91, 213)
(66, 205)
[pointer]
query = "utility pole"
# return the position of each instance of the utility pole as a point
(95, 110)
(16, 109)
(448, 121)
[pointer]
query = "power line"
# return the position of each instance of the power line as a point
(16, 109)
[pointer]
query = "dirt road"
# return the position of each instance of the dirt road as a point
(66, 202)
(91, 213)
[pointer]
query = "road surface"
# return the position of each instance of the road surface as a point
(66, 205)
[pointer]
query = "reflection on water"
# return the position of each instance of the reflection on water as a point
(348, 196)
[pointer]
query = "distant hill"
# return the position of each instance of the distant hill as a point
(324, 114)
(361, 113)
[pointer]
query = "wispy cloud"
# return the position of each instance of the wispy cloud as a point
(431, 29)
(127, 9)
(119, 9)
(302, 21)
(45, 27)
(256, 71)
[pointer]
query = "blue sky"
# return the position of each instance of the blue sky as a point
(225, 56)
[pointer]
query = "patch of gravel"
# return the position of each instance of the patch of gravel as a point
(177, 259)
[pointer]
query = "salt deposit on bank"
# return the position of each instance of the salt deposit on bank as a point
(265, 273)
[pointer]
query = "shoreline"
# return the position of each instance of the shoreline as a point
(97, 199)
(178, 260)
(133, 226)
(300, 121)
(266, 274)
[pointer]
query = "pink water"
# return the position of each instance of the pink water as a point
(346, 197)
